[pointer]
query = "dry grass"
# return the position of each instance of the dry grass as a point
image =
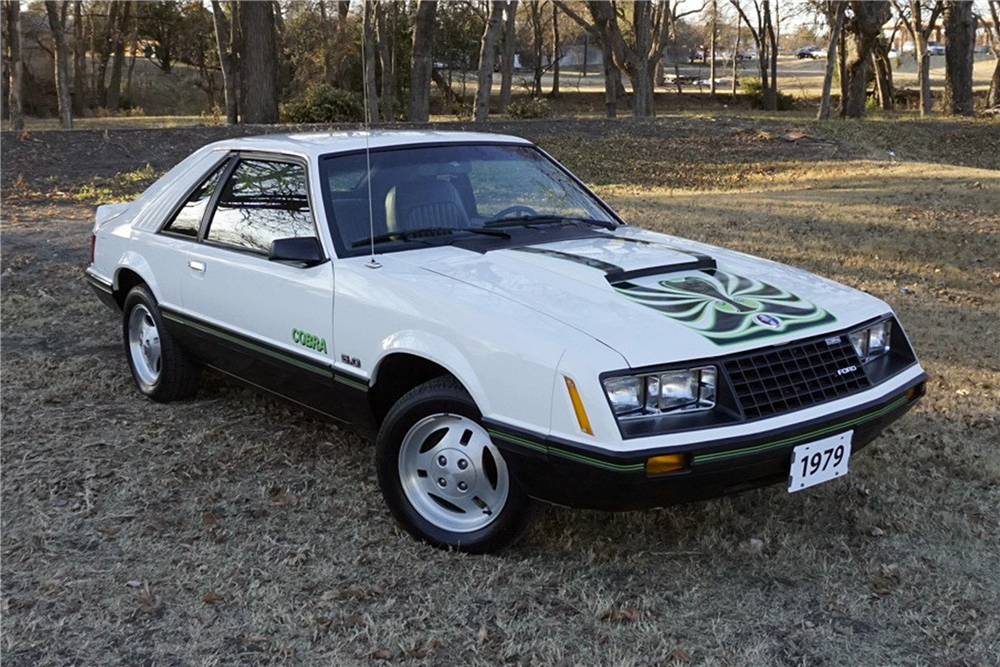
(231, 529)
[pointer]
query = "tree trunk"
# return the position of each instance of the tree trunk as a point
(118, 59)
(104, 55)
(235, 48)
(736, 61)
(555, 50)
(368, 62)
(15, 107)
(536, 32)
(422, 63)
(993, 97)
(842, 72)
(385, 58)
(960, 36)
(711, 48)
(611, 81)
(836, 24)
(883, 77)
(487, 60)
(771, 92)
(258, 63)
(222, 41)
(507, 58)
(58, 27)
(865, 28)
(79, 61)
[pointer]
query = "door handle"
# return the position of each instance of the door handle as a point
(197, 266)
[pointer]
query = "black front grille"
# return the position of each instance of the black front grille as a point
(796, 376)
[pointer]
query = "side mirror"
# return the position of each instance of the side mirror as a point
(302, 249)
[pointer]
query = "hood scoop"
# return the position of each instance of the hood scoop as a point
(619, 276)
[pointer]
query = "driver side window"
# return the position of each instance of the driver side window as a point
(263, 200)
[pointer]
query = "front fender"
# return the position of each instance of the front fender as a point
(434, 348)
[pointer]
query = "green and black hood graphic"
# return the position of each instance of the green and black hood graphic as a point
(723, 307)
(727, 308)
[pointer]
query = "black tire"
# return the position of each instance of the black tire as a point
(443, 396)
(177, 376)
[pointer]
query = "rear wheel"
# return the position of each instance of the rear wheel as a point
(442, 476)
(159, 366)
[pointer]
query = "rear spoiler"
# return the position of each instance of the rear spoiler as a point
(107, 212)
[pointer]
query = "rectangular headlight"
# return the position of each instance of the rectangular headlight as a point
(871, 342)
(625, 394)
(682, 390)
(878, 339)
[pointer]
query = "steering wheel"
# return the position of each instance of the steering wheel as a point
(516, 208)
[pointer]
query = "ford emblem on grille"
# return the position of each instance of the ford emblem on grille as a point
(769, 321)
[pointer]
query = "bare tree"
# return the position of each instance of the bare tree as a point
(711, 45)
(368, 63)
(103, 54)
(865, 28)
(598, 29)
(113, 98)
(919, 32)
(835, 11)
(223, 43)
(537, 44)
(507, 57)
(638, 55)
(258, 63)
(487, 60)
(385, 40)
(79, 60)
(736, 59)
(57, 23)
(960, 35)
(555, 50)
(993, 96)
(15, 107)
(422, 61)
(762, 32)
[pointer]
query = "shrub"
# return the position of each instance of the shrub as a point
(322, 103)
(754, 91)
(529, 108)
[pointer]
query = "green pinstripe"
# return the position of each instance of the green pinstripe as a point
(325, 372)
(718, 456)
(701, 458)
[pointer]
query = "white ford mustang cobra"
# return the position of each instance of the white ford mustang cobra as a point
(495, 326)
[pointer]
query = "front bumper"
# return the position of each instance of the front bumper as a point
(565, 474)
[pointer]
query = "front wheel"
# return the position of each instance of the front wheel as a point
(441, 475)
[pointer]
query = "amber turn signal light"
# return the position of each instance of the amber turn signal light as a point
(666, 463)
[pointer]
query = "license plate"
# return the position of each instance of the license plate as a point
(820, 461)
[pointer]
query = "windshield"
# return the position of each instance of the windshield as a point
(440, 191)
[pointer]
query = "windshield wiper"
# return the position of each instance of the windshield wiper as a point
(544, 219)
(408, 235)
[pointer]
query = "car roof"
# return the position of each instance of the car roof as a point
(315, 144)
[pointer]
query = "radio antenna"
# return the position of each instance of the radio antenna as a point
(372, 263)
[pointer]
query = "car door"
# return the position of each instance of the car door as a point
(267, 322)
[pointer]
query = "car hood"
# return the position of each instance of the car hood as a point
(656, 298)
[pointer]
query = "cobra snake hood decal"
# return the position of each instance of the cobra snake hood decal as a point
(726, 308)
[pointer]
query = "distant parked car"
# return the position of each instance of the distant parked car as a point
(810, 52)
(932, 48)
